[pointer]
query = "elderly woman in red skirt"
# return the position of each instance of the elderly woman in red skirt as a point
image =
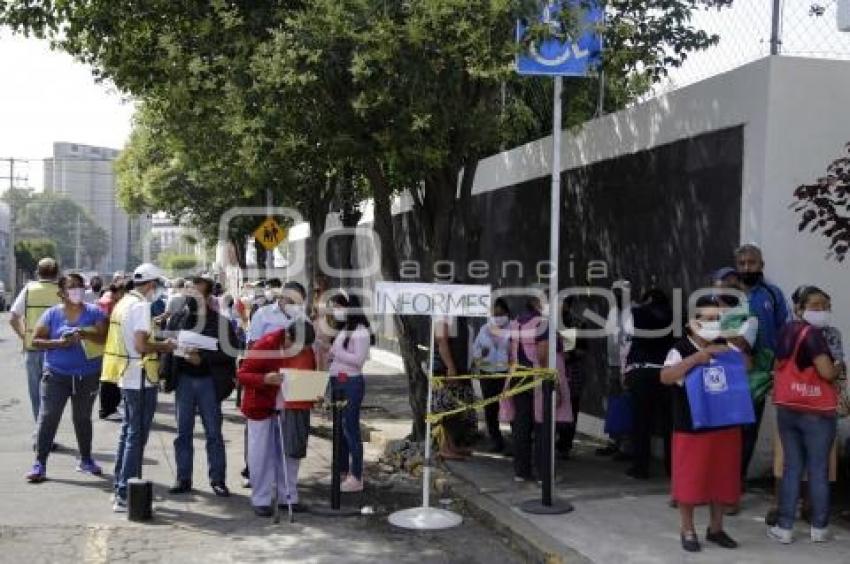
(706, 462)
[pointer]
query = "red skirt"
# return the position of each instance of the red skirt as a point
(707, 467)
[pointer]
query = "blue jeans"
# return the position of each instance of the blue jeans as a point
(192, 393)
(35, 370)
(131, 446)
(351, 390)
(806, 442)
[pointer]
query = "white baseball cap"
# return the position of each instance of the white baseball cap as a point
(146, 272)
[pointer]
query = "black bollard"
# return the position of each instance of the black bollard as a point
(547, 504)
(335, 509)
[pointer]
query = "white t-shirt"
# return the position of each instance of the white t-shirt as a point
(19, 306)
(138, 319)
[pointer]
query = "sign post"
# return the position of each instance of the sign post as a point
(432, 300)
(557, 58)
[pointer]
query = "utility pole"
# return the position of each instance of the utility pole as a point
(77, 244)
(776, 28)
(13, 266)
(269, 254)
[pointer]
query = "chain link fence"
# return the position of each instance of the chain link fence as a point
(807, 28)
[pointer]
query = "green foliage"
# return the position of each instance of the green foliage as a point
(173, 262)
(52, 217)
(29, 251)
(824, 207)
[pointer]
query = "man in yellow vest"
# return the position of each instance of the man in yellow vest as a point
(130, 359)
(33, 300)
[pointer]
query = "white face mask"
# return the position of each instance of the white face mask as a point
(339, 315)
(709, 330)
(75, 295)
(269, 295)
(499, 320)
(544, 311)
(817, 318)
(293, 310)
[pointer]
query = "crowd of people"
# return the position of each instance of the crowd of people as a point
(125, 343)
(742, 342)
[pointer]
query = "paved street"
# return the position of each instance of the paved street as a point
(69, 518)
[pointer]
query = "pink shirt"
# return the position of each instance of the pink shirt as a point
(350, 360)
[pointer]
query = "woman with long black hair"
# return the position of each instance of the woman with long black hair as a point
(348, 354)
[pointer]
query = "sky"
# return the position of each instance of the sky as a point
(47, 96)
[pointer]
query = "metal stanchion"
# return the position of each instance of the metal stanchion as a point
(335, 509)
(547, 504)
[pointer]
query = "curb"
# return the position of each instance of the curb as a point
(532, 544)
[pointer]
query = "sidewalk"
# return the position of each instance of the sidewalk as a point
(69, 518)
(620, 520)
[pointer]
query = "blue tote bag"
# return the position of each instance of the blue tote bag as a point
(719, 393)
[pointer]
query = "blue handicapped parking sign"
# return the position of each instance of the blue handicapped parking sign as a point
(556, 57)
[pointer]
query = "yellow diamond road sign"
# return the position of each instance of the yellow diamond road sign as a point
(270, 234)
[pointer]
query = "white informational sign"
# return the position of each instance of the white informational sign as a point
(414, 298)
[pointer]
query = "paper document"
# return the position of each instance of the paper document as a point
(303, 385)
(93, 350)
(192, 340)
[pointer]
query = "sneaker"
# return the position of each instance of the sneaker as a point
(180, 487)
(37, 474)
(720, 538)
(89, 467)
(220, 489)
(820, 535)
(351, 485)
(119, 505)
(263, 511)
(780, 535)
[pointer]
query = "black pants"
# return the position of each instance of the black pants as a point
(567, 431)
(110, 397)
(750, 438)
(522, 429)
(492, 387)
(651, 412)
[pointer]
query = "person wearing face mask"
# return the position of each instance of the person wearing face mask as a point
(768, 304)
(491, 355)
(652, 336)
(807, 439)
(530, 349)
(268, 318)
(202, 379)
(705, 462)
(67, 332)
(32, 301)
(348, 354)
(131, 359)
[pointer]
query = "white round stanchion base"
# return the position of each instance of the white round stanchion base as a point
(425, 519)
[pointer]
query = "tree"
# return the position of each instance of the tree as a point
(52, 217)
(824, 207)
(406, 94)
(29, 251)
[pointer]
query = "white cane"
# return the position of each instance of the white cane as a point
(275, 506)
(282, 460)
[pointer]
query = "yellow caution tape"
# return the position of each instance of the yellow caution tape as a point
(531, 379)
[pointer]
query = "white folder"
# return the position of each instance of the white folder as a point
(303, 385)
